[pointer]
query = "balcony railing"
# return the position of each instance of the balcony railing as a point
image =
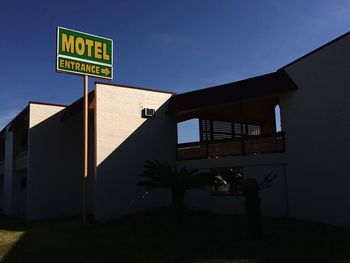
(254, 144)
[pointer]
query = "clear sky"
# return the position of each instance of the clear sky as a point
(177, 45)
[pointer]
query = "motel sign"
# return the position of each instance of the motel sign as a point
(88, 55)
(84, 54)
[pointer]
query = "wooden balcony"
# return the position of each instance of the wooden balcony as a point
(254, 144)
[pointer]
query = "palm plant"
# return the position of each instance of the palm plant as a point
(158, 174)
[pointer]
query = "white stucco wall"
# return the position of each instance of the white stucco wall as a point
(316, 119)
(124, 141)
(54, 181)
(273, 200)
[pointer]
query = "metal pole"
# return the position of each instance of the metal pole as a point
(86, 116)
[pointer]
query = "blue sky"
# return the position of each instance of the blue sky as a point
(171, 45)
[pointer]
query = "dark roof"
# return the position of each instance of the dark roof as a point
(317, 49)
(232, 92)
(263, 85)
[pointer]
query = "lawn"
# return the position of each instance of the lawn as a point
(204, 238)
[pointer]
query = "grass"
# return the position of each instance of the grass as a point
(204, 238)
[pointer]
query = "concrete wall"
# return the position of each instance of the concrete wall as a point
(316, 119)
(124, 142)
(54, 183)
(273, 200)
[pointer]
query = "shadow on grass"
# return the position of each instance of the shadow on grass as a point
(148, 238)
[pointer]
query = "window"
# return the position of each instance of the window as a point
(227, 181)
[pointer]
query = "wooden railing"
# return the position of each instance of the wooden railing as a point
(254, 144)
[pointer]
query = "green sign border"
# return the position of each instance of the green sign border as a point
(80, 72)
(83, 59)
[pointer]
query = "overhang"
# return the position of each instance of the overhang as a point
(260, 86)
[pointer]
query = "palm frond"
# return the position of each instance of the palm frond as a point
(162, 175)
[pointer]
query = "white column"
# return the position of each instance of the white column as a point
(8, 177)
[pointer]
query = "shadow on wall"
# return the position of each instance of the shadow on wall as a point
(273, 200)
(54, 186)
(116, 191)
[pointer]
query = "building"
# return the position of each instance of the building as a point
(42, 150)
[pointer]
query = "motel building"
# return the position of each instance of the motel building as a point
(41, 149)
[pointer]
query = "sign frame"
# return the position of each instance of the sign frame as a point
(82, 60)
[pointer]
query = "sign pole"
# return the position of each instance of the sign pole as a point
(86, 117)
(88, 55)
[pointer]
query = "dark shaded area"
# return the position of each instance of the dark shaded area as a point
(259, 86)
(157, 174)
(149, 237)
(77, 107)
(19, 120)
(116, 190)
(252, 208)
(56, 190)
